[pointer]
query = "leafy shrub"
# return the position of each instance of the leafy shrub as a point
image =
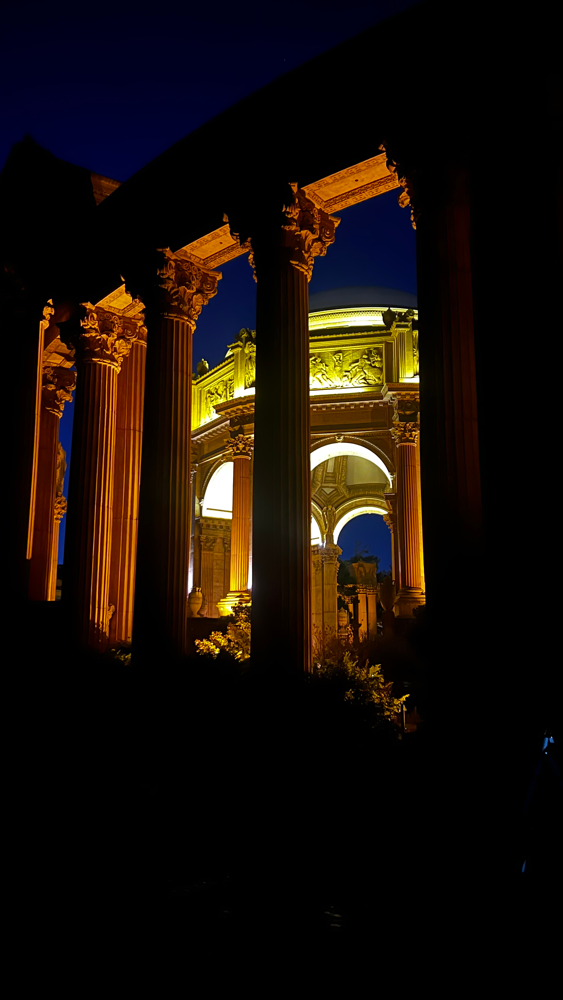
(236, 642)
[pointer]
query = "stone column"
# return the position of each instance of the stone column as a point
(391, 521)
(174, 294)
(24, 317)
(241, 450)
(101, 341)
(58, 385)
(325, 590)
(207, 562)
(127, 481)
(287, 231)
(410, 593)
(60, 511)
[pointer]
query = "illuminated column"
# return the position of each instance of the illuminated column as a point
(410, 594)
(324, 591)
(241, 450)
(287, 232)
(127, 480)
(207, 561)
(101, 342)
(60, 511)
(174, 295)
(391, 521)
(58, 385)
(24, 317)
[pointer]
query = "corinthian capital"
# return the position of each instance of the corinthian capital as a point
(308, 231)
(241, 446)
(187, 287)
(59, 384)
(60, 508)
(104, 337)
(405, 432)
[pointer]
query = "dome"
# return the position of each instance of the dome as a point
(364, 295)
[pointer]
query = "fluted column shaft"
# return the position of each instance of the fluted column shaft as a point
(408, 521)
(240, 528)
(102, 339)
(40, 571)
(58, 384)
(127, 480)
(174, 296)
(284, 242)
(207, 563)
(90, 514)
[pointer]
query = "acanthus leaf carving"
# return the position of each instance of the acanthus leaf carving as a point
(58, 385)
(187, 287)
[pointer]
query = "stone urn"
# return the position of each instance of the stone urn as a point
(195, 600)
(342, 618)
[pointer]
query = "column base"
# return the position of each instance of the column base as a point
(234, 598)
(407, 600)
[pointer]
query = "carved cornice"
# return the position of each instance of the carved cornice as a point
(406, 175)
(60, 509)
(58, 385)
(186, 287)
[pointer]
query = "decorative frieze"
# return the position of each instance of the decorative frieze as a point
(347, 369)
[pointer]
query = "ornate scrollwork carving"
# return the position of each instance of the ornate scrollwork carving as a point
(241, 446)
(405, 432)
(59, 384)
(308, 231)
(187, 287)
(406, 176)
(60, 508)
(208, 543)
(104, 337)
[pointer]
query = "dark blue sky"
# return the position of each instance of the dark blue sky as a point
(110, 88)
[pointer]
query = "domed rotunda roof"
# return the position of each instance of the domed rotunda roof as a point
(360, 295)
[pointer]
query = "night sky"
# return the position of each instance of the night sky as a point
(109, 88)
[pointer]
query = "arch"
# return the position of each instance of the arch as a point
(366, 505)
(337, 448)
(218, 497)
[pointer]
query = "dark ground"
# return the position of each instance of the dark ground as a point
(240, 818)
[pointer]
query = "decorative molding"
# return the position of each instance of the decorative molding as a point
(405, 432)
(241, 445)
(309, 231)
(406, 177)
(59, 509)
(187, 287)
(58, 385)
(104, 337)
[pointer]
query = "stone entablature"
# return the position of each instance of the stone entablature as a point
(342, 362)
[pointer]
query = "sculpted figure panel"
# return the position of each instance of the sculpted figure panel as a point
(346, 369)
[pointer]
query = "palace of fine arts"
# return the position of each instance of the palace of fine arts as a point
(270, 549)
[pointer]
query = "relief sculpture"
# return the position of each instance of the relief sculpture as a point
(218, 393)
(347, 371)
